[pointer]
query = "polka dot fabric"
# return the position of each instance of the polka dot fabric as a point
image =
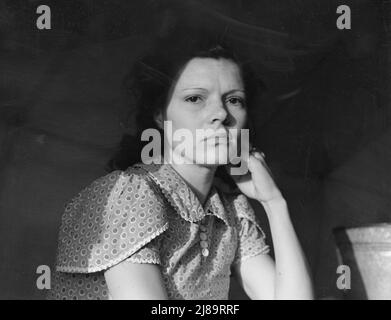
(251, 236)
(148, 214)
(109, 221)
(150, 253)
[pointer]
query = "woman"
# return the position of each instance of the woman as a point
(173, 231)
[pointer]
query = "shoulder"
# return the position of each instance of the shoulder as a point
(118, 180)
(116, 185)
(109, 220)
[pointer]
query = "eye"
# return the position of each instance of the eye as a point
(194, 99)
(236, 101)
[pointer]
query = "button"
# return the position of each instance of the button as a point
(202, 228)
(203, 236)
(205, 252)
(203, 244)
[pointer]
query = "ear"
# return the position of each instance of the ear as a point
(158, 117)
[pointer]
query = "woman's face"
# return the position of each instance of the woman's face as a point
(208, 95)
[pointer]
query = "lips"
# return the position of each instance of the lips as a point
(223, 134)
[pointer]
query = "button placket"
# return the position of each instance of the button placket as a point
(204, 240)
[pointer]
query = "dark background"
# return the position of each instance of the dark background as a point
(324, 125)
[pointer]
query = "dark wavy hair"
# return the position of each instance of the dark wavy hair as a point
(150, 82)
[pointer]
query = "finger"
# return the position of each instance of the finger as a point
(259, 155)
(254, 161)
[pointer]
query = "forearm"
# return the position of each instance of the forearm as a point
(292, 278)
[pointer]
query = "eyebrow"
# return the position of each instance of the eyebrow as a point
(203, 89)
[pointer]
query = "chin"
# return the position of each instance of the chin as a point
(212, 159)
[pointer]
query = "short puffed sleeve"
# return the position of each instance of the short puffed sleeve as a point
(150, 253)
(118, 216)
(251, 238)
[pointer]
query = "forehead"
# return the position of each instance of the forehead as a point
(201, 72)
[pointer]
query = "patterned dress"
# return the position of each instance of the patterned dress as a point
(148, 214)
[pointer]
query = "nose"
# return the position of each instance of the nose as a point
(218, 112)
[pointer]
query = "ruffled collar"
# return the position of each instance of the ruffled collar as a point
(181, 197)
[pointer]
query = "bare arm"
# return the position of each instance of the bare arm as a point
(292, 276)
(256, 277)
(134, 281)
(289, 277)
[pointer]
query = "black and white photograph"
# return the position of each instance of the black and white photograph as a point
(195, 150)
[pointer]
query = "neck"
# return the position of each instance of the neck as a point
(199, 178)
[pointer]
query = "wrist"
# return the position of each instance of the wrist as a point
(275, 206)
(275, 201)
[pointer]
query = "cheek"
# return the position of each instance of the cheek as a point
(182, 117)
(176, 115)
(240, 117)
